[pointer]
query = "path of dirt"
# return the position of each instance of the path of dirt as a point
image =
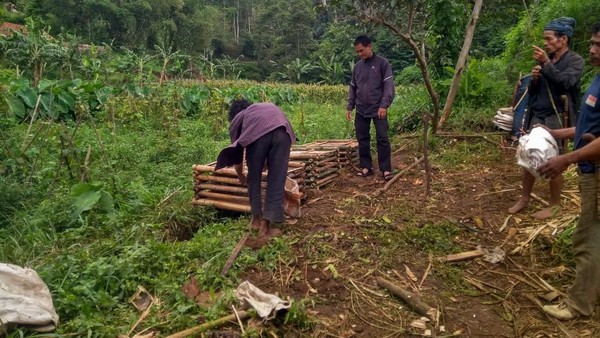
(348, 236)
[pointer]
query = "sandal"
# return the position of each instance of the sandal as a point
(364, 172)
(388, 177)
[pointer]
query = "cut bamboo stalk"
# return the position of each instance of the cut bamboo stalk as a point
(210, 325)
(322, 174)
(322, 159)
(312, 155)
(222, 205)
(220, 179)
(409, 298)
(325, 167)
(224, 188)
(224, 197)
(325, 181)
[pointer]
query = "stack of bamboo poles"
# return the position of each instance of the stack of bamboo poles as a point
(222, 189)
(324, 159)
(312, 166)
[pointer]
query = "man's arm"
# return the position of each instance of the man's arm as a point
(567, 78)
(239, 169)
(388, 87)
(556, 165)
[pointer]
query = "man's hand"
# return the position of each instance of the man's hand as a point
(381, 113)
(348, 115)
(536, 72)
(554, 167)
(243, 179)
(540, 55)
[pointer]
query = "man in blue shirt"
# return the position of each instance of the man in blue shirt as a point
(584, 292)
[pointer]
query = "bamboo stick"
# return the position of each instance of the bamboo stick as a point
(312, 155)
(323, 168)
(223, 188)
(324, 181)
(322, 173)
(223, 197)
(222, 205)
(220, 179)
(210, 325)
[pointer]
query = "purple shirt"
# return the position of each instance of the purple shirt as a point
(248, 126)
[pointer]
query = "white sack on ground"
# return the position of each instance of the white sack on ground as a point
(25, 300)
(265, 304)
(535, 149)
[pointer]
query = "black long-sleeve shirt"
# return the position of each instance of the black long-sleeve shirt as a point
(560, 78)
(372, 86)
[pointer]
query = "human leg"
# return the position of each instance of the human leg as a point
(384, 150)
(583, 293)
(528, 180)
(553, 209)
(277, 163)
(256, 155)
(362, 125)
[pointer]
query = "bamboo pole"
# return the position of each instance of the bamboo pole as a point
(223, 188)
(322, 174)
(224, 197)
(409, 298)
(324, 181)
(219, 179)
(323, 168)
(210, 325)
(222, 205)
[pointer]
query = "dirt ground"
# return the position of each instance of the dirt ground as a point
(350, 234)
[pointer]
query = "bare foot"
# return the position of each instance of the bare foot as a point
(263, 227)
(273, 232)
(520, 205)
(254, 223)
(260, 241)
(548, 212)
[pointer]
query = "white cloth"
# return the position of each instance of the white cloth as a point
(535, 149)
(265, 304)
(25, 300)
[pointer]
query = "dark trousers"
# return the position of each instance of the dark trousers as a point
(363, 135)
(274, 148)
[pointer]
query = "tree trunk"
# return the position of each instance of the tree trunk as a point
(422, 65)
(460, 64)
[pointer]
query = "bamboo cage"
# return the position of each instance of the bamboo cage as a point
(223, 190)
(323, 160)
(313, 166)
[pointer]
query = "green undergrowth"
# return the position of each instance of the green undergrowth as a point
(101, 207)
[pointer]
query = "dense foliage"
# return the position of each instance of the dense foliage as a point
(97, 141)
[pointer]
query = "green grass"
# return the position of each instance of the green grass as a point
(152, 235)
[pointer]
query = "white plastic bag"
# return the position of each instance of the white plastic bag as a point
(535, 149)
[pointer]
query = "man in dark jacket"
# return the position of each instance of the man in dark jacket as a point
(371, 92)
(583, 294)
(266, 134)
(557, 73)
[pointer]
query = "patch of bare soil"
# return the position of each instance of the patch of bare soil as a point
(349, 235)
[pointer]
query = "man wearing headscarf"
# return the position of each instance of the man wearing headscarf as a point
(557, 73)
(583, 294)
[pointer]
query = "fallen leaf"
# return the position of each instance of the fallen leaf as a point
(418, 181)
(410, 274)
(478, 222)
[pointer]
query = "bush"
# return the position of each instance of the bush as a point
(409, 75)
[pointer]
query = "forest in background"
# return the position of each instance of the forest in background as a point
(107, 104)
(297, 41)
